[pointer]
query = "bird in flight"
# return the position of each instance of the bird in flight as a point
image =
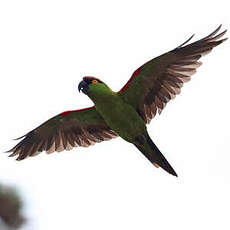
(124, 113)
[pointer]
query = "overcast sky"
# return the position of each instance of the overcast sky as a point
(46, 47)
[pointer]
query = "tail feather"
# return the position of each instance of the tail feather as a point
(155, 156)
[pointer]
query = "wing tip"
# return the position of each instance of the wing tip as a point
(186, 41)
(12, 151)
(210, 36)
(223, 40)
(214, 32)
(16, 139)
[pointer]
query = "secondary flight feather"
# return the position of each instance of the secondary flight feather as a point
(124, 113)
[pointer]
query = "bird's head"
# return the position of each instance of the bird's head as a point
(89, 84)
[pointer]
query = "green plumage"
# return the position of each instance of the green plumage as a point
(118, 115)
(126, 122)
(126, 112)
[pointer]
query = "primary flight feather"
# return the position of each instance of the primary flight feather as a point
(124, 113)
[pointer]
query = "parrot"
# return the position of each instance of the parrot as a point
(124, 113)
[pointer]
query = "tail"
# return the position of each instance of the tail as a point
(153, 154)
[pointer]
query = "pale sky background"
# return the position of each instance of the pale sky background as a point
(45, 49)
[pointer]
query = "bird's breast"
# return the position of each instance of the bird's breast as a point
(121, 117)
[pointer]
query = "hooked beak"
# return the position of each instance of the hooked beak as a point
(83, 86)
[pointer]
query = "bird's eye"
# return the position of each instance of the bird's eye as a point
(94, 81)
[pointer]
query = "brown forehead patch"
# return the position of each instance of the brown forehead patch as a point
(89, 79)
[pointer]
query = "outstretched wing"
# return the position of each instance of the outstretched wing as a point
(64, 131)
(159, 80)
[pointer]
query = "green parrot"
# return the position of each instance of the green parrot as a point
(124, 113)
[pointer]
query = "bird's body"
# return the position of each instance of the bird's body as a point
(122, 118)
(118, 115)
(124, 113)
